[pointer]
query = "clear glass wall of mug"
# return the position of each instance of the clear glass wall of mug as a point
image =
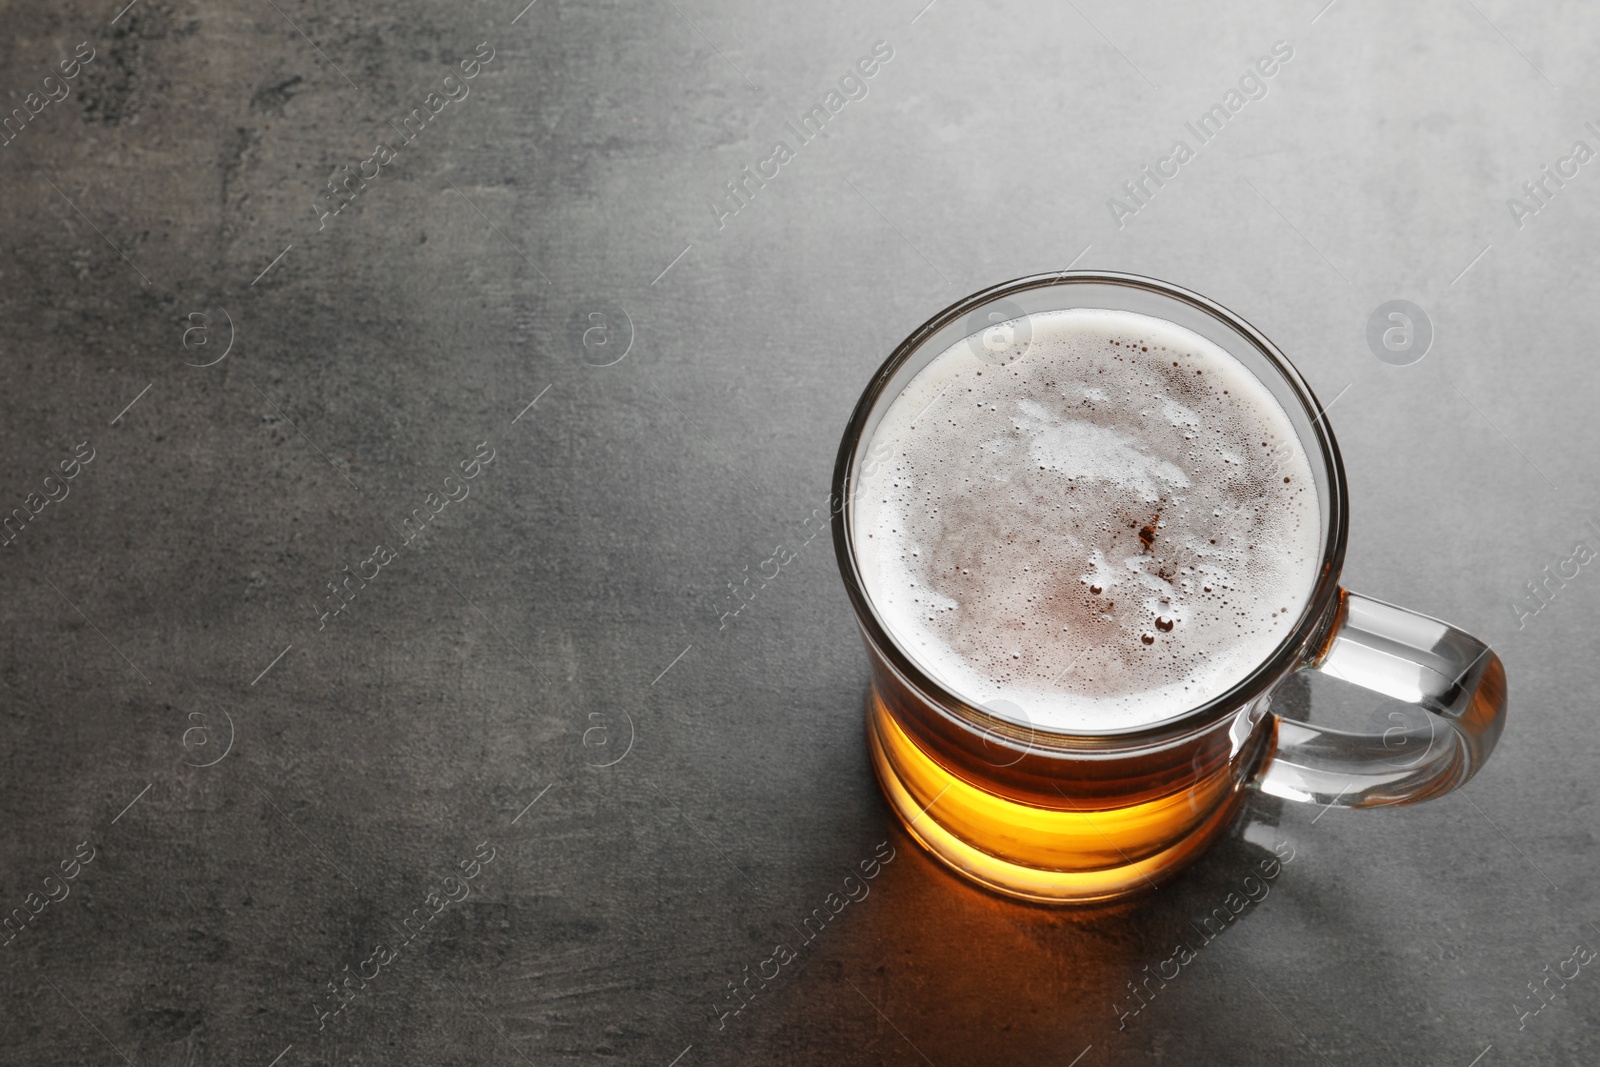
(1052, 815)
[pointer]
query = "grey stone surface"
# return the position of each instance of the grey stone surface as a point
(164, 614)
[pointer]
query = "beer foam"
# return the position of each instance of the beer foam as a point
(1107, 532)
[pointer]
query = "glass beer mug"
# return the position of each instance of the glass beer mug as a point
(1083, 815)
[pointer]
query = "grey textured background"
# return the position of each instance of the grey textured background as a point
(521, 640)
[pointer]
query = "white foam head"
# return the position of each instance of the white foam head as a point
(1108, 532)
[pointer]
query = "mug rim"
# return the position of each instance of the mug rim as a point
(1308, 630)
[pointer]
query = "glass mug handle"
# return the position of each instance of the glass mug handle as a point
(1448, 673)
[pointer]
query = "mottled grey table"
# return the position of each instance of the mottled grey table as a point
(565, 306)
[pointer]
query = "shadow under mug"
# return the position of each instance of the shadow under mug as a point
(1083, 816)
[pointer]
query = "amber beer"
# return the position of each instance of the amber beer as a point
(1102, 519)
(1041, 821)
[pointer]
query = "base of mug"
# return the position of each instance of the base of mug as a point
(1033, 884)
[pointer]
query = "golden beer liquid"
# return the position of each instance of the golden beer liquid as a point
(1067, 826)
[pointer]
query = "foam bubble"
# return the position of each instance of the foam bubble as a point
(1107, 532)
